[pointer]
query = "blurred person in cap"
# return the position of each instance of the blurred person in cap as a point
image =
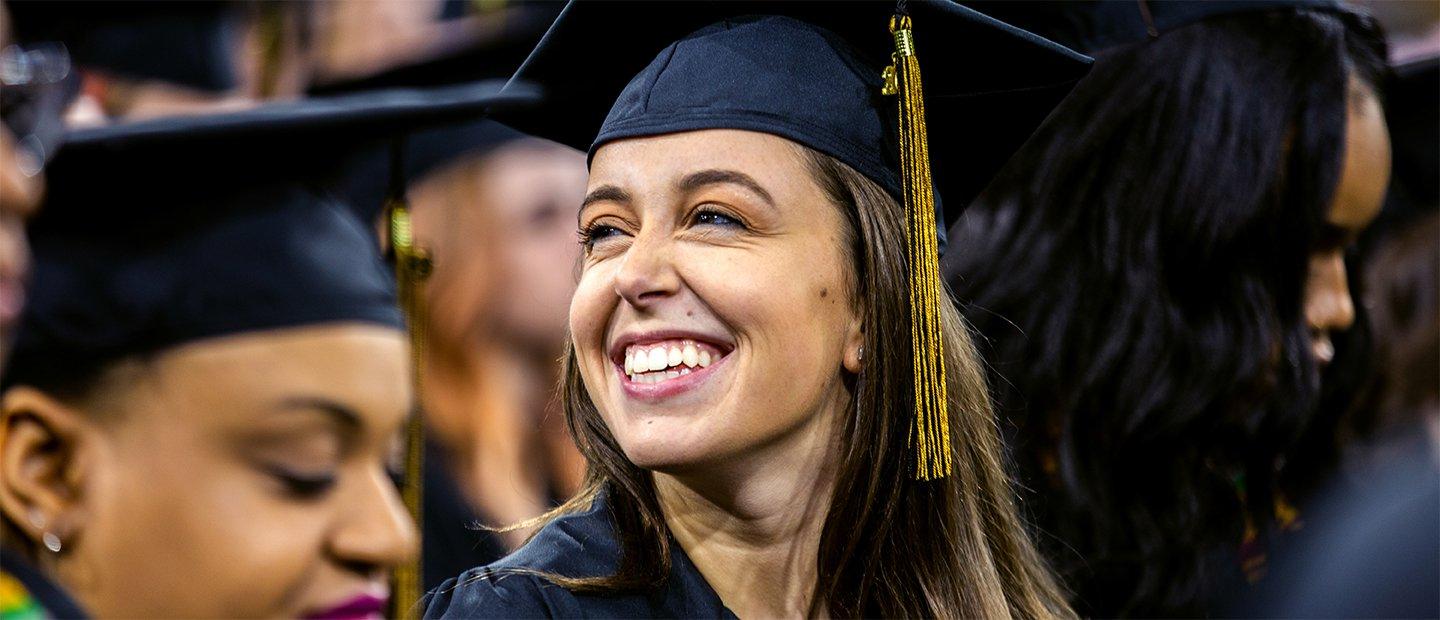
(204, 403)
(492, 207)
(1161, 283)
(141, 59)
(781, 411)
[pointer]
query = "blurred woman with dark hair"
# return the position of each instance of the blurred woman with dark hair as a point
(1157, 278)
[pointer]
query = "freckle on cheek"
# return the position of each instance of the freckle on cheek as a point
(824, 292)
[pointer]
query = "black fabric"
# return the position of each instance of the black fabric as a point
(158, 233)
(192, 43)
(268, 259)
(807, 71)
(54, 602)
(1370, 547)
(578, 545)
(1094, 26)
(367, 174)
(452, 541)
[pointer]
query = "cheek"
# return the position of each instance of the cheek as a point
(200, 533)
(592, 307)
(790, 320)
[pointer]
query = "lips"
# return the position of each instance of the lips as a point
(364, 606)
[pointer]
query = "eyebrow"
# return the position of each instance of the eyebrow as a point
(697, 180)
(605, 193)
(344, 417)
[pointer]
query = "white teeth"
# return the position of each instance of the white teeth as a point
(662, 363)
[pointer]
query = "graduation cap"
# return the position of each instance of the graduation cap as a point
(426, 151)
(189, 43)
(164, 232)
(1093, 26)
(840, 78)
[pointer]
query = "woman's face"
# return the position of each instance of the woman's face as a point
(246, 477)
(714, 313)
(1364, 176)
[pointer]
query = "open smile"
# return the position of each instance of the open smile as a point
(657, 366)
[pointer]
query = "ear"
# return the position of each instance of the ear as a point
(855, 347)
(43, 462)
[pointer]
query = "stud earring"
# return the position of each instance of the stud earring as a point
(861, 355)
(47, 537)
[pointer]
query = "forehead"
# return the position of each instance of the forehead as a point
(357, 365)
(655, 161)
(1365, 168)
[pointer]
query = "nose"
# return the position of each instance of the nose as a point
(375, 532)
(1328, 305)
(646, 273)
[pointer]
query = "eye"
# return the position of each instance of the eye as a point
(593, 233)
(711, 217)
(303, 485)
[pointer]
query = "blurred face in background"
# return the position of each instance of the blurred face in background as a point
(1364, 176)
(243, 476)
(502, 232)
(535, 188)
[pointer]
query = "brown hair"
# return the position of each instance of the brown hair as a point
(891, 546)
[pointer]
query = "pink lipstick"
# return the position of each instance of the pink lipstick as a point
(365, 606)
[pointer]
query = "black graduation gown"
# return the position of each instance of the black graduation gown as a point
(36, 596)
(452, 540)
(578, 545)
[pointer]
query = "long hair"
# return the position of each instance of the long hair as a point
(1137, 273)
(891, 546)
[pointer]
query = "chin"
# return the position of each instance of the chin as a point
(663, 445)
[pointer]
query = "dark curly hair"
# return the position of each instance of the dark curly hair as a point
(1137, 276)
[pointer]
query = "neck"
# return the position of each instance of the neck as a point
(754, 531)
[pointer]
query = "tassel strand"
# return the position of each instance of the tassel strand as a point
(931, 433)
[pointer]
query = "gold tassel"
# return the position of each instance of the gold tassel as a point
(931, 433)
(412, 267)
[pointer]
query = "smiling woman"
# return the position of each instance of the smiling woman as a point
(741, 376)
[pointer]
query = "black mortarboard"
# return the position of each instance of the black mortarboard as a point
(1093, 26)
(191, 43)
(840, 78)
(426, 151)
(163, 232)
(806, 71)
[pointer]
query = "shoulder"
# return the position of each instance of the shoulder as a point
(482, 592)
(26, 593)
(582, 544)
